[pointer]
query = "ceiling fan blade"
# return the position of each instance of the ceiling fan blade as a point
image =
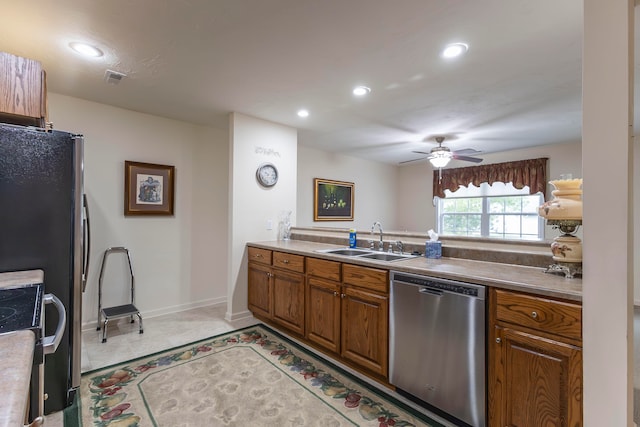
(466, 151)
(412, 160)
(468, 159)
(421, 152)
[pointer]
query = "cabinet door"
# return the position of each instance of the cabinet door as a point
(365, 329)
(23, 89)
(288, 300)
(260, 290)
(538, 381)
(323, 313)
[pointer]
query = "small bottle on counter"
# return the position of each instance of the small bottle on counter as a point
(352, 238)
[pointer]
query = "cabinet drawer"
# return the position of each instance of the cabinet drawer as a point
(365, 277)
(288, 261)
(555, 317)
(323, 268)
(263, 256)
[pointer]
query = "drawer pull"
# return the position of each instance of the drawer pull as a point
(285, 261)
(498, 340)
(342, 295)
(534, 314)
(257, 256)
(335, 294)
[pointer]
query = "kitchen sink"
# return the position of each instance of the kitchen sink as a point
(385, 256)
(366, 254)
(346, 252)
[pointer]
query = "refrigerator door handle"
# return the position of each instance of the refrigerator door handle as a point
(50, 343)
(86, 245)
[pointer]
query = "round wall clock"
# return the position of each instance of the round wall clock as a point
(267, 175)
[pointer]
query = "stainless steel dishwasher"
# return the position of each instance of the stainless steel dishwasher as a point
(437, 344)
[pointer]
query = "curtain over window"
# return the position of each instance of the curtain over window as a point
(532, 173)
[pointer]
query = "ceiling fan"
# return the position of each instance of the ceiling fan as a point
(440, 156)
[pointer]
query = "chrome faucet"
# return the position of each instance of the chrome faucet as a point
(373, 227)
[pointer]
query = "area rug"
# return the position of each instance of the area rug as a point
(249, 377)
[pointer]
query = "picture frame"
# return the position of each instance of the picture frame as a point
(148, 189)
(332, 200)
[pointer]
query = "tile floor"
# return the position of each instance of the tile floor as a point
(160, 333)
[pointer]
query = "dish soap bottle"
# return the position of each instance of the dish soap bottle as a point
(352, 238)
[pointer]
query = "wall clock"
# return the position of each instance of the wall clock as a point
(267, 175)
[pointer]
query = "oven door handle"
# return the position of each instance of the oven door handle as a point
(50, 343)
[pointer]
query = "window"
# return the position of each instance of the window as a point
(497, 211)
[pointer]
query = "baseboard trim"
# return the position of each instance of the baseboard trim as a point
(212, 302)
(234, 317)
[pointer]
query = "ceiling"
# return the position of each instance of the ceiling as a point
(519, 84)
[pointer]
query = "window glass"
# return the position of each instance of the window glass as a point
(497, 211)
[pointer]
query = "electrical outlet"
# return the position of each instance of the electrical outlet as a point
(269, 224)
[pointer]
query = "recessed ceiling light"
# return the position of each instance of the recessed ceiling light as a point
(455, 49)
(86, 49)
(303, 113)
(361, 90)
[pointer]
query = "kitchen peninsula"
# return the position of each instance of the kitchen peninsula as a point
(16, 360)
(532, 318)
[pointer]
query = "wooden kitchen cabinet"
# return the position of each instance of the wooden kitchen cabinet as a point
(276, 288)
(349, 318)
(364, 319)
(339, 308)
(365, 329)
(23, 91)
(535, 361)
(323, 303)
(288, 300)
(260, 289)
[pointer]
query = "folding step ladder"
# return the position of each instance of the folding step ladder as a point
(108, 313)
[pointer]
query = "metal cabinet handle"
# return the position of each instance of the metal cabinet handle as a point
(335, 294)
(342, 295)
(498, 340)
(285, 261)
(534, 314)
(257, 256)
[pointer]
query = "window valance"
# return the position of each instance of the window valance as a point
(532, 173)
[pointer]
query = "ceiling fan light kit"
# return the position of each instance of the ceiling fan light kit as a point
(440, 159)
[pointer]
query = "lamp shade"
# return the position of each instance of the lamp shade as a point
(440, 161)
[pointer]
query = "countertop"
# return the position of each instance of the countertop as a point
(505, 276)
(16, 358)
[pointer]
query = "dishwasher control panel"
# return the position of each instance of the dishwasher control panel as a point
(440, 284)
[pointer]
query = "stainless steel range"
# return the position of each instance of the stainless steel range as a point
(22, 308)
(437, 345)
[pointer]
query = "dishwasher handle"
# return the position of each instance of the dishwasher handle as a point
(431, 291)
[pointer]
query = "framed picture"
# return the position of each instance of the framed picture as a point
(148, 189)
(332, 200)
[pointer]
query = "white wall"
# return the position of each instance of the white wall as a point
(252, 142)
(608, 258)
(375, 188)
(179, 261)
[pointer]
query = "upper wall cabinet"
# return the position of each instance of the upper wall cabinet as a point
(23, 91)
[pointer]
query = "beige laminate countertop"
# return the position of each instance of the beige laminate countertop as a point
(16, 358)
(506, 276)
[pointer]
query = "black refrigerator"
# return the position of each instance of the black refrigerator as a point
(43, 225)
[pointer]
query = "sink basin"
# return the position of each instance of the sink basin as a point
(368, 254)
(345, 251)
(384, 256)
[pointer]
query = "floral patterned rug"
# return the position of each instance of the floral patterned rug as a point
(249, 377)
